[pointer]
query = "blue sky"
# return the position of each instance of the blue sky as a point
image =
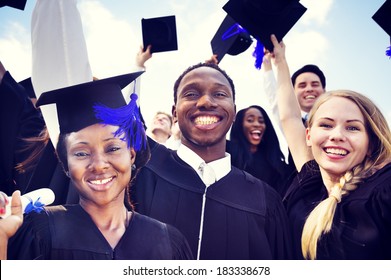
(339, 36)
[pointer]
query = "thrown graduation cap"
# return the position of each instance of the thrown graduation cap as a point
(160, 32)
(383, 18)
(17, 4)
(230, 38)
(94, 102)
(261, 18)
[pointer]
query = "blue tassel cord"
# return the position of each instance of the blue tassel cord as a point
(128, 119)
(36, 206)
(388, 52)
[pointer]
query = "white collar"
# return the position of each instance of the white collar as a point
(221, 166)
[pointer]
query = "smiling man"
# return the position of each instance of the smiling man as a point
(309, 83)
(224, 212)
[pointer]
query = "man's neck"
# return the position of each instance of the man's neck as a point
(208, 153)
(160, 136)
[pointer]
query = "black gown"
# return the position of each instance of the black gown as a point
(18, 119)
(362, 223)
(244, 217)
(68, 233)
(260, 167)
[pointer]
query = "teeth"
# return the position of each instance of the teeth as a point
(101, 182)
(258, 132)
(310, 97)
(336, 151)
(206, 120)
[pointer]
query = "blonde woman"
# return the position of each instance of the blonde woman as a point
(340, 202)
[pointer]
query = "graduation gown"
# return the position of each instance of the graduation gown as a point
(260, 167)
(362, 223)
(244, 217)
(18, 119)
(68, 233)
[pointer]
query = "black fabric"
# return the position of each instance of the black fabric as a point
(18, 119)
(68, 233)
(362, 222)
(244, 217)
(261, 168)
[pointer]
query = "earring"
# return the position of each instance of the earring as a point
(133, 167)
(67, 173)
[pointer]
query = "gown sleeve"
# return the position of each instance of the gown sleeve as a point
(180, 248)
(381, 199)
(277, 228)
(32, 241)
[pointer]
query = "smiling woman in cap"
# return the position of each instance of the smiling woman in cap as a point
(102, 146)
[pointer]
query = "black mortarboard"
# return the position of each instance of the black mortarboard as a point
(261, 18)
(75, 104)
(17, 4)
(160, 32)
(383, 17)
(230, 38)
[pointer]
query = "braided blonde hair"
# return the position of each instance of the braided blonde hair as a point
(320, 219)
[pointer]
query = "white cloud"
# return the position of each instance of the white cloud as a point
(110, 41)
(306, 47)
(317, 11)
(15, 50)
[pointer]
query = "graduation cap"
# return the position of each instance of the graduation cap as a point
(17, 4)
(383, 18)
(100, 101)
(160, 32)
(261, 18)
(230, 38)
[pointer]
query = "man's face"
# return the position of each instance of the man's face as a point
(205, 108)
(161, 122)
(308, 88)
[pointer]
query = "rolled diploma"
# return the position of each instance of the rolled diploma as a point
(45, 195)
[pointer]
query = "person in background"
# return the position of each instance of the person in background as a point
(102, 146)
(309, 82)
(224, 212)
(339, 203)
(160, 129)
(254, 147)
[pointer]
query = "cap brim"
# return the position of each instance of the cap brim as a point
(50, 97)
(17, 4)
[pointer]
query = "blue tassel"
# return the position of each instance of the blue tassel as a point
(129, 121)
(388, 52)
(36, 206)
(233, 30)
(258, 54)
